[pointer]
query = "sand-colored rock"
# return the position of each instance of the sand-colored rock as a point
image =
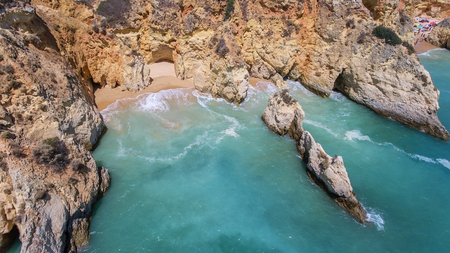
(285, 115)
(95, 53)
(48, 178)
(219, 44)
(330, 173)
(440, 36)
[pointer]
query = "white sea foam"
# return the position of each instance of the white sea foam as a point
(427, 53)
(375, 218)
(320, 125)
(154, 102)
(266, 87)
(356, 134)
(295, 85)
(422, 158)
(231, 130)
(337, 96)
(159, 102)
(200, 141)
(444, 162)
(203, 99)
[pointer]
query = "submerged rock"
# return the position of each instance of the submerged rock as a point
(284, 115)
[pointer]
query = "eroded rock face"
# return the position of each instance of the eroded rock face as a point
(330, 173)
(221, 43)
(285, 115)
(440, 36)
(49, 180)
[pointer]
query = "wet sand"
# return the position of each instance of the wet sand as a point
(164, 78)
(423, 46)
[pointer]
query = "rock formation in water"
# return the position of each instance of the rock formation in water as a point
(440, 36)
(323, 44)
(49, 180)
(53, 52)
(285, 115)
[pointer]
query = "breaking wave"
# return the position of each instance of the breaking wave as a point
(159, 102)
(375, 218)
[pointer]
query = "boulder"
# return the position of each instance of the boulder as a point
(284, 115)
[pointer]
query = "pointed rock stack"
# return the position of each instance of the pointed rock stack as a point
(284, 115)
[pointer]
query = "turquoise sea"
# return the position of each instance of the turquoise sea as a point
(195, 174)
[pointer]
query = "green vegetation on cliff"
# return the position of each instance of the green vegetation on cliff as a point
(389, 36)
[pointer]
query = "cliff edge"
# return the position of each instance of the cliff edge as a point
(323, 44)
(49, 180)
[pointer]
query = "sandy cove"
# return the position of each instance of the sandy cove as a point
(164, 78)
(423, 46)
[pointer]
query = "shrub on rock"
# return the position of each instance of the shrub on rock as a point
(389, 36)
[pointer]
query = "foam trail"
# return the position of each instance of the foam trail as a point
(266, 87)
(295, 85)
(444, 162)
(159, 102)
(356, 134)
(319, 125)
(427, 53)
(200, 141)
(337, 96)
(375, 218)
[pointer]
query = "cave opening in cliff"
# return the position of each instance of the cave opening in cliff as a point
(339, 83)
(10, 240)
(164, 53)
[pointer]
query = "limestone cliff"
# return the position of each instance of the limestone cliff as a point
(433, 8)
(440, 36)
(323, 44)
(285, 115)
(48, 178)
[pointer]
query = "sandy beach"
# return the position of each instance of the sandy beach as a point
(423, 46)
(164, 78)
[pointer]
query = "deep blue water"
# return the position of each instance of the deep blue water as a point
(194, 174)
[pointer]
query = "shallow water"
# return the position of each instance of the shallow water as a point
(194, 174)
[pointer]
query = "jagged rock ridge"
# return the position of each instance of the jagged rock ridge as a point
(285, 115)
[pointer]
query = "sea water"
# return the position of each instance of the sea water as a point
(195, 174)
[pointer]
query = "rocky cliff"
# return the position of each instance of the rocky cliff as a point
(53, 53)
(49, 181)
(440, 36)
(323, 44)
(284, 115)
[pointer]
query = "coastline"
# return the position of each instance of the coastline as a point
(164, 78)
(107, 96)
(423, 46)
